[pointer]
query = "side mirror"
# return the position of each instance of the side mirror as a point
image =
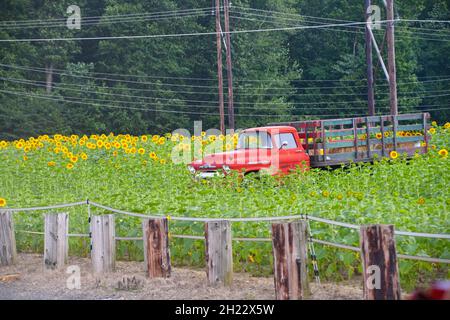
(284, 144)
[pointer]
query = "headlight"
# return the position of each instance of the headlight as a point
(191, 169)
(226, 168)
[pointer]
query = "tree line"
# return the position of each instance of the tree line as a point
(155, 85)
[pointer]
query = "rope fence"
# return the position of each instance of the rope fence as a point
(254, 219)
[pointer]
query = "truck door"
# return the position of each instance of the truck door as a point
(291, 153)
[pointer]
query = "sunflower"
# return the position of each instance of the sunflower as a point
(74, 159)
(443, 153)
(163, 161)
(434, 124)
(69, 166)
(84, 156)
(379, 136)
(386, 134)
(421, 201)
(2, 202)
(100, 143)
(161, 140)
(393, 155)
(141, 151)
(432, 130)
(51, 163)
(153, 155)
(325, 194)
(144, 138)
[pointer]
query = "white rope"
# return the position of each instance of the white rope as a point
(423, 235)
(256, 219)
(401, 256)
(129, 239)
(58, 206)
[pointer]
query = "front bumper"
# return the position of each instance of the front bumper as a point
(208, 174)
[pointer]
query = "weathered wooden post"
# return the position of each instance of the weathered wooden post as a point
(290, 258)
(219, 252)
(156, 247)
(56, 242)
(103, 243)
(379, 260)
(8, 253)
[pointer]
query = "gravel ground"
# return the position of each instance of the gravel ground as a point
(185, 284)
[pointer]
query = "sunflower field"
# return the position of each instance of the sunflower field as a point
(136, 173)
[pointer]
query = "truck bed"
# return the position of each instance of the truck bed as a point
(342, 141)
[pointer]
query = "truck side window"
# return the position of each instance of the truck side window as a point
(255, 140)
(289, 138)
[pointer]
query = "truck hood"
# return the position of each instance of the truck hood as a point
(234, 158)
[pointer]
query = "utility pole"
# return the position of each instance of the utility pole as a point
(391, 57)
(219, 67)
(226, 5)
(370, 81)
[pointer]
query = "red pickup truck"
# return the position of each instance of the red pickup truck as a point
(281, 148)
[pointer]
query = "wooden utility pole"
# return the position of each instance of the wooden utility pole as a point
(156, 248)
(391, 57)
(380, 266)
(289, 245)
(226, 4)
(56, 242)
(8, 251)
(218, 253)
(370, 81)
(219, 67)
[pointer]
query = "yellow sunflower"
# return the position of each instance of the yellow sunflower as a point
(443, 153)
(393, 154)
(141, 151)
(379, 136)
(2, 202)
(69, 166)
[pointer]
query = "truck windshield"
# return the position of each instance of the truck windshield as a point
(255, 140)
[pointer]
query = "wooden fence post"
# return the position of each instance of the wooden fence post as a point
(219, 252)
(290, 258)
(156, 247)
(8, 253)
(56, 242)
(379, 259)
(103, 243)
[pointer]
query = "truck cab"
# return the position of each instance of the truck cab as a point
(272, 150)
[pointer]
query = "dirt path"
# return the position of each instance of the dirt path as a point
(185, 284)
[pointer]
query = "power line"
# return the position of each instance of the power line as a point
(22, 94)
(174, 35)
(42, 84)
(99, 18)
(41, 70)
(66, 72)
(361, 29)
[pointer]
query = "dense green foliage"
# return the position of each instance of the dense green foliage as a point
(275, 73)
(136, 174)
